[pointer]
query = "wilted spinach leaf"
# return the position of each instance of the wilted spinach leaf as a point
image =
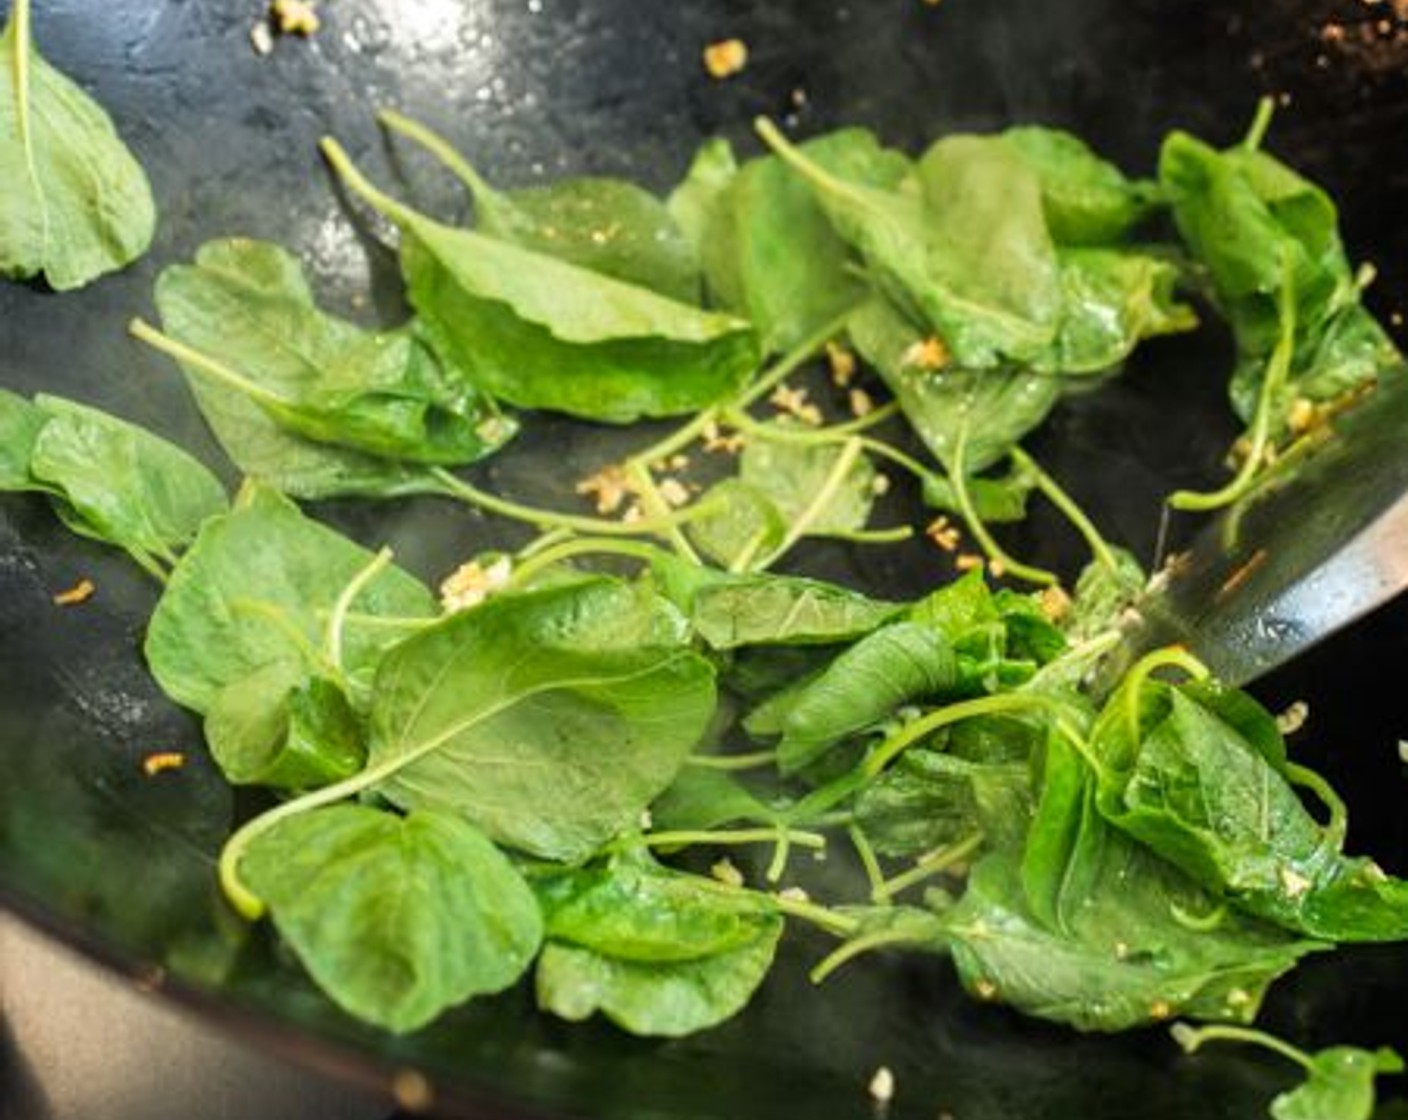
(550, 718)
(247, 311)
(396, 918)
(258, 586)
(655, 951)
(74, 201)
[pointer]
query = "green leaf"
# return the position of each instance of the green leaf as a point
(1208, 790)
(731, 610)
(397, 919)
(20, 424)
(770, 253)
(745, 525)
(927, 800)
(246, 308)
(655, 951)
(74, 202)
(277, 727)
(1087, 200)
(1113, 300)
(702, 797)
(1102, 596)
(542, 333)
(125, 485)
(901, 662)
(609, 226)
(691, 203)
(258, 586)
(791, 474)
(1339, 1085)
(990, 410)
(550, 718)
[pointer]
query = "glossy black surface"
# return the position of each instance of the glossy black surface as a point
(122, 864)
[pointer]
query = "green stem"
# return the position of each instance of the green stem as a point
(777, 866)
(1199, 923)
(361, 186)
(149, 564)
(1278, 369)
(1256, 133)
(684, 838)
(457, 488)
(201, 363)
(1338, 824)
(869, 536)
(782, 147)
(979, 530)
(677, 440)
(749, 552)
(542, 542)
(866, 854)
(793, 360)
(1092, 649)
(955, 713)
(580, 546)
(332, 644)
(935, 862)
(838, 925)
(655, 506)
(836, 477)
(732, 761)
(1099, 547)
(439, 147)
(1190, 1038)
(855, 947)
(1170, 657)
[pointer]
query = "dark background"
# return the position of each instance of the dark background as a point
(121, 865)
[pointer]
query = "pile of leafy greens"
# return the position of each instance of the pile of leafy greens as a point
(467, 791)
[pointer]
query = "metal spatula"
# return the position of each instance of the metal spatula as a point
(1321, 542)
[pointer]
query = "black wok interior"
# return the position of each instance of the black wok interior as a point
(122, 865)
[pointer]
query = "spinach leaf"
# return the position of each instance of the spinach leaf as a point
(247, 311)
(967, 253)
(550, 718)
(655, 951)
(990, 410)
(927, 800)
(1103, 595)
(610, 226)
(1270, 242)
(744, 526)
(20, 424)
(259, 586)
(1186, 772)
(396, 918)
(106, 478)
(769, 251)
(996, 499)
(701, 798)
(900, 662)
(791, 475)
(1112, 300)
(730, 610)
(1086, 200)
(691, 203)
(278, 727)
(1339, 1082)
(74, 202)
(542, 333)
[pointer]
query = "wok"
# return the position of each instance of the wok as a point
(121, 865)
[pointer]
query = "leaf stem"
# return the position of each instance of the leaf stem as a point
(732, 761)
(955, 713)
(1058, 497)
(337, 620)
(457, 488)
(835, 479)
(1278, 369)
(853, 948)
(1191, 1038)
(203, 364)
(1133, 687)
(823, 917)
(985, 540)
(653, 502)
(580, 546)
(930, 865)
(361, 186)
(1256, 133)
(684, 838)
(1338, 823)
(437, 146)
(866, 854)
